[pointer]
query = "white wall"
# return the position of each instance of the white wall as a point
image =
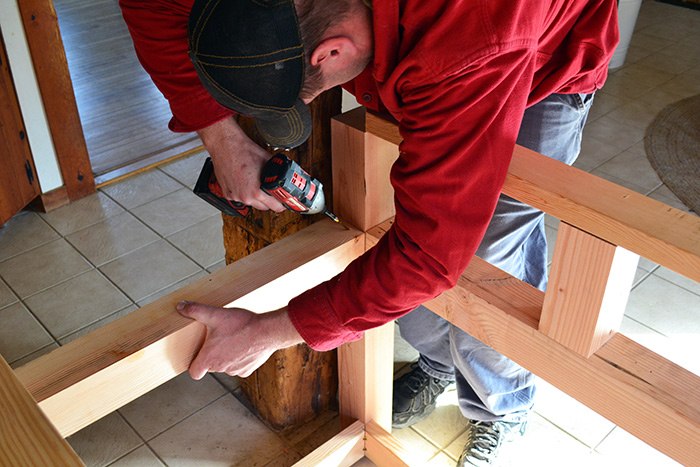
(31, 106)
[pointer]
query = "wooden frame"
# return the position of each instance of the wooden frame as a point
(51, 68)
(565, 336)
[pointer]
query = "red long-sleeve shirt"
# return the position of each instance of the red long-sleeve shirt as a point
(457, 75)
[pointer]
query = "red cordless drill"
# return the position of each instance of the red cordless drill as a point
(281, 178)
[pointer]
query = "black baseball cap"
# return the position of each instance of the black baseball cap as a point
(250, 58)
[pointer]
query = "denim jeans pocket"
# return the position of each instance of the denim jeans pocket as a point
(578, 101)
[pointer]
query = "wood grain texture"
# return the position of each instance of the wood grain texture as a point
(98, 373)
(589, 284)
(647, 227)
(385, 450)
(366, 369)
(26, 435)
(643, 393)
(343, 450)
(361, 165)
(274, 388)
(51, 68)
(18, 181)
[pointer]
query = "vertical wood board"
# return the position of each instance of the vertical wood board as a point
(26, 435)
(589, 284)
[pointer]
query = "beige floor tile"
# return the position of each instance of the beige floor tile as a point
(570, 415)
(223, 433)
(673, 30)
(650, 42)
(98, 324)
(621, 86)
(141, 457)
(613, 132)
(22, 233)
(142, 188)
(178, 285)
(174, 212)
(441, 460)
(72, 304)
(148, 270)
(594, 153)
(82, 213)
(216, 266)
(230, 382)
(6, 295)
(635, 54)
(445, 423)
(636, 114)
(678, 279)
(112, 238)
(203, 242)
(186, 170)
(20, 333)
(666, 62)
(604, 103)
(34, 355)
(634, 168)
(621, 448)
(170, 403)
(665, 307)
(42, 267)
(419, 448)
(105, 441)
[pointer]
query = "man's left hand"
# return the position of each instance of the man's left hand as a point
(238, 341)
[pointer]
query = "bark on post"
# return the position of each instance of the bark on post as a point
(297, 383)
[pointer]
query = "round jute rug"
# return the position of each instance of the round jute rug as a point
(672, 143)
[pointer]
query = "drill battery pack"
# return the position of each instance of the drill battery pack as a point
(209, 190)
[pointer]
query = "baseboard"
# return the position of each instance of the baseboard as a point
(54, 199)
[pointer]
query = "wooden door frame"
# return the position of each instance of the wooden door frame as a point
(51, 68)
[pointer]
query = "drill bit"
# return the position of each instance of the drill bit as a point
(335, 218)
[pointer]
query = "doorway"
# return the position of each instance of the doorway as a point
(123, 115)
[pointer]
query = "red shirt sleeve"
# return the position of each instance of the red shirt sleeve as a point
(458, 139)
(159, 31)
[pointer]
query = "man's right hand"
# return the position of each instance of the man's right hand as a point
(238, 162)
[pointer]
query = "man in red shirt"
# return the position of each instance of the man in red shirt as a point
(465, 79)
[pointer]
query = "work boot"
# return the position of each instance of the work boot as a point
(415, 395)
(485, 441)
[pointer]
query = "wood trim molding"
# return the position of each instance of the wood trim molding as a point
(51, 68)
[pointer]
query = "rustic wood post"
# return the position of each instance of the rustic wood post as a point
(296, 383)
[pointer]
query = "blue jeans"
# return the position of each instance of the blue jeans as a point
(489, 386)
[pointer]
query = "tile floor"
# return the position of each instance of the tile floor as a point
(65, 273)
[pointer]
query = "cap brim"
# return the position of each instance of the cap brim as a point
(286, 130)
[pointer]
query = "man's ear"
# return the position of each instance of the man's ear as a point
(334, 54)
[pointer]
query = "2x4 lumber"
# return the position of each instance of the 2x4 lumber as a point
(366, 369)
(362, 192)
(384, 449)
(26, 435)
(96, 374)
(649, 228)
(638, 390)
(343, 450)
(589, 284)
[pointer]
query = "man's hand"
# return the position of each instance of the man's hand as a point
(238, 162)
(238, 341)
